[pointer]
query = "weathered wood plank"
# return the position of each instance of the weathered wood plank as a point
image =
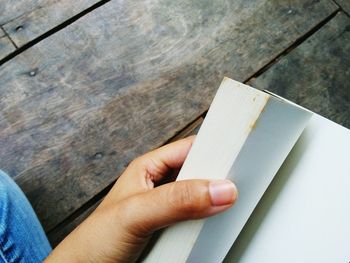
(345, 4)
(78, 106)
(59, 233)
(317, 73)
(6, 47)
(189, 130)
(25, 20)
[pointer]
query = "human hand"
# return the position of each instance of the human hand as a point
(120, 227)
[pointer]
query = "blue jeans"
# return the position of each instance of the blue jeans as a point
(22, 238)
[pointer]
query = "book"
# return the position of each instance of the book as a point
(304, 215)
(253, 137)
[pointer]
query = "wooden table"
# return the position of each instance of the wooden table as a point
(88, 85)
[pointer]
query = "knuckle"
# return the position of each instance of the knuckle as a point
(183, 198)
(136, 162)
(128, 219)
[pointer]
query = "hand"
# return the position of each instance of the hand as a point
(120, 227)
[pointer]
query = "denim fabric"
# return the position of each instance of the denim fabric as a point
(22, 238)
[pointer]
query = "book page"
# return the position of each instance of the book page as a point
(245, 137)
(305, 214)
(261, 156)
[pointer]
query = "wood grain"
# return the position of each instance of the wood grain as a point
(191, 129)
(316, 74)
(60, 232)
(6, 47)
(25, 20)
(124, 79)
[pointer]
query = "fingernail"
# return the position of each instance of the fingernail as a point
(222, 192)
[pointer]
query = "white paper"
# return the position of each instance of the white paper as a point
(305, 214)
(263, 153)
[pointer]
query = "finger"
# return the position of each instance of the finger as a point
(151, 168)
(156, 165)
(178, 201)
(171, 156)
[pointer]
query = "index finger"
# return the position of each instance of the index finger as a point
(158, 162)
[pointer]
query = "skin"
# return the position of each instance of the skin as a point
(136, 207)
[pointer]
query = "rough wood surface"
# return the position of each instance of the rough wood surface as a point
(317, 73)
(78, 106)
(6, 47)
(345, 4)
(189, 130)
(25, 20)
(60, 232)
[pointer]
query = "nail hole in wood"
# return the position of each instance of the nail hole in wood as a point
(33, 72)
(19, 28)
(98, 156)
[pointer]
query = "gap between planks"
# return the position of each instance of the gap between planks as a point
(296, 43)
(188, 130)
(9, 38)
(50, 32)
(89, 207)
(344, 9)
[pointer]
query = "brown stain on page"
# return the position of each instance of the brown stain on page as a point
(253, 124)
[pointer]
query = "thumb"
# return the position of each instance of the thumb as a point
(177, 201)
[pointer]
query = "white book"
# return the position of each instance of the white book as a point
(304, 215)
(246, 137)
